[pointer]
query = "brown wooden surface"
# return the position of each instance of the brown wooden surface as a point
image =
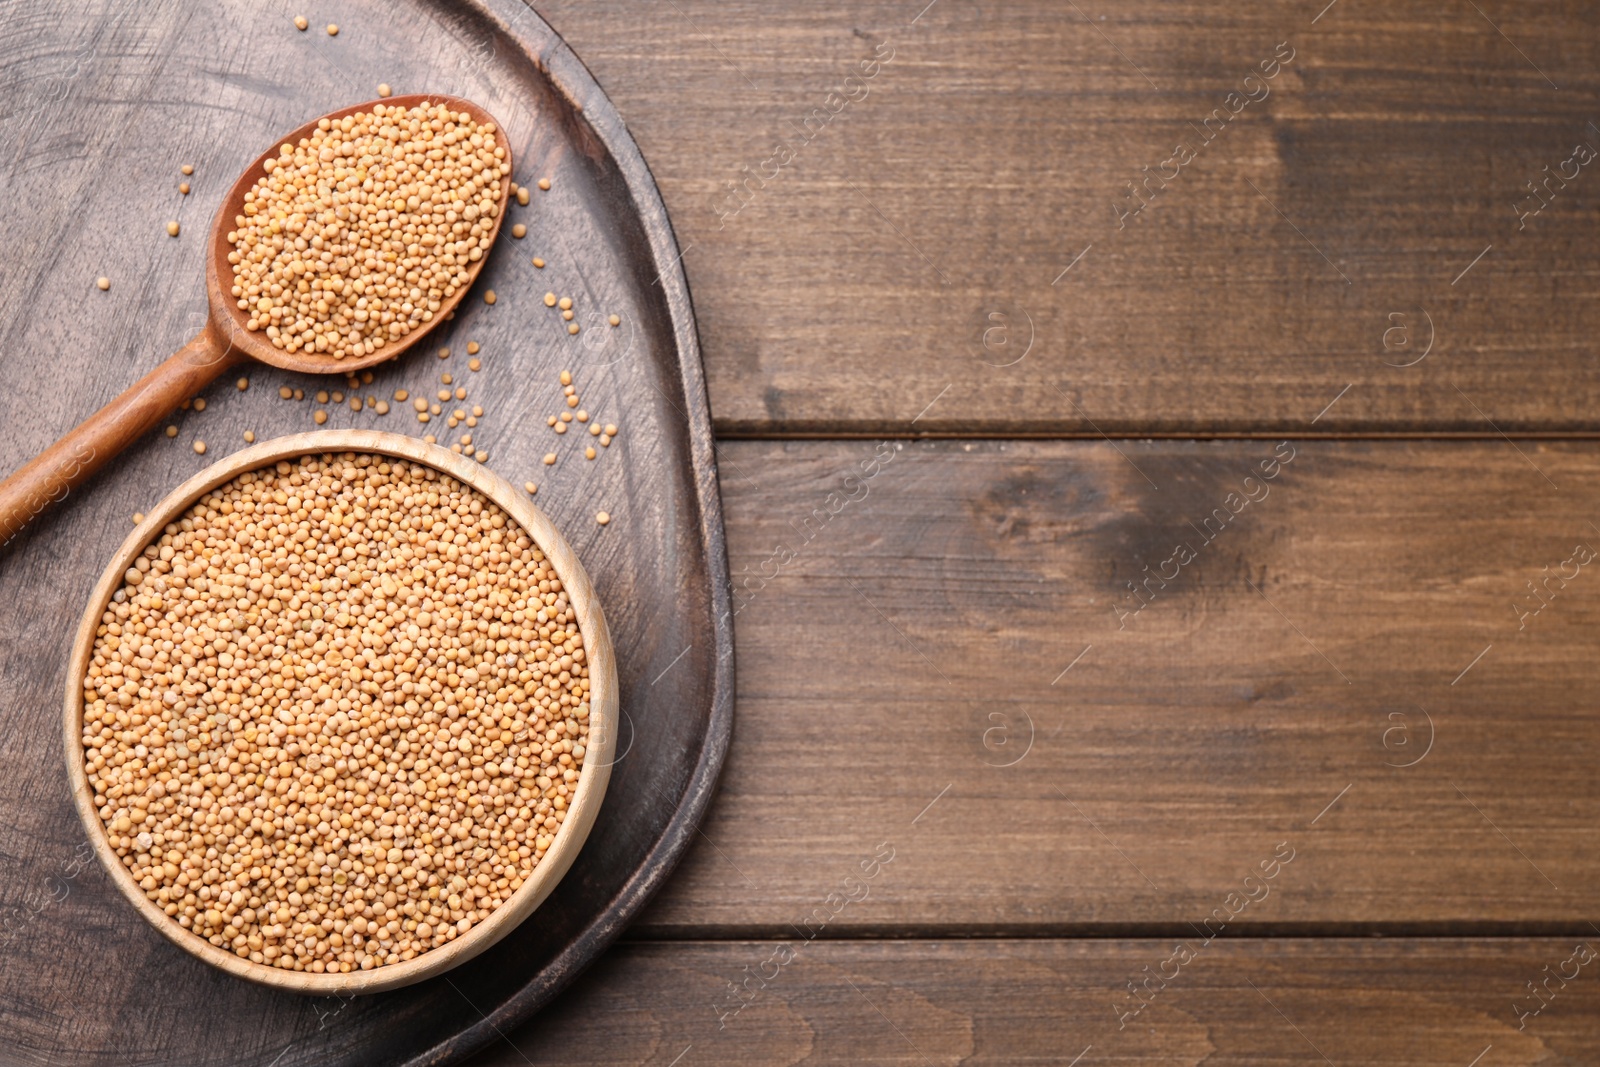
(855, 288)
(906, 274)
(1438, 1003)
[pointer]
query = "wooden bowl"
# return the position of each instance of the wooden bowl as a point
(602, 708)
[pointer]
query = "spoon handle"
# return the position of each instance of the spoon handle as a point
(49, 476)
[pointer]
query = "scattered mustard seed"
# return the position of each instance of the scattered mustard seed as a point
(472, 348)
(299, 394)
(432, 440)
(489, 297)
(473, 364)
(583, 416)
(444, 353)
(355, 403)
(420, 403)
(444, 379)
(322, 396)
(285, 392)
(138, 517)
(401, 395)
(602, 517)
(572, 401)
(572, 327)
(565, 303)
(611, 430)
(444, 394)
(537, 262)
(199, 403)
(615, 320)
(383, 89)
(544, 183)
(319, 417)
(567, 314)
(333, 30)
(482, 457)
(199, 448)
(519, 231)
(549, 459)
(338, 398)
(383, 407)
(461, 392)
(103, 283)
(589, 453)
(522, 196)
(172, 431)
(187, 168)
(183, 188)
(549, 300)
(173, 228)
(530, 487)
(243, 384)
(594, 429)
(605, 441)
(566, 377)
(477, 411)
(561, 427)
(301, 22)
(249, 437)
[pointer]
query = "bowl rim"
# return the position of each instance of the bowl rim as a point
(603, 695)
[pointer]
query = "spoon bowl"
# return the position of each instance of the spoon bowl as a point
(222, 343)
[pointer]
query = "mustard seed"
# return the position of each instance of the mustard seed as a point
(249, 437)
(301, 22)
(242, 384)
(138, 517)
(561, 427)
(444, 394)
(549, 299)
(266, 824)
(366, 378)
(420, 403)
(338, 397)
(544, 183)
(472, 348)
(319, 417)
(565, 303)
(489, 297)
(611, 430)
(432, 440)
(423, 416)
(583, 416)
(199, 403)
(605, 440)
(472, 420)
(172, 431)
(285, 392)
(566, 416)
(183, 188)
(355, 403)
(363, 298)
(383, 407)
(615, 320)
(572, 401)
(572, 327)
(482, 457)
(333, 30)
(549, 459)
(474, 364)
(434, 408)
(461, 392)
(444, 353)
(383, 89)
(530, 487)
(589, 453)
(602, 517)
(566, 377)
(172, 228)
(594, 429)
(199, 448)
(187, 168)
(477, 411)
(519, 231)
(522, 197)
(103, 283)
(401, 395)
(567, 314)
(537, 262)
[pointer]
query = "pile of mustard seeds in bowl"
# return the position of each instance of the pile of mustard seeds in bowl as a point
(356, 235)
(336, 714)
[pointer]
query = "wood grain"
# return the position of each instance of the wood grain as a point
(897, 650)
(856, 288)
(108, 102)
(1432, 1003)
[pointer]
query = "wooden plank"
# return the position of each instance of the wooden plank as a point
(925, 226)
(911, 614)
(1440, 1003)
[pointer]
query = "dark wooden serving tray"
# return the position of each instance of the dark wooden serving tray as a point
(100, 103)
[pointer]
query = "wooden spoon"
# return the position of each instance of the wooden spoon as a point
(223, 343)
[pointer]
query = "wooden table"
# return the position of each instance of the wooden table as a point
(1104, 548)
